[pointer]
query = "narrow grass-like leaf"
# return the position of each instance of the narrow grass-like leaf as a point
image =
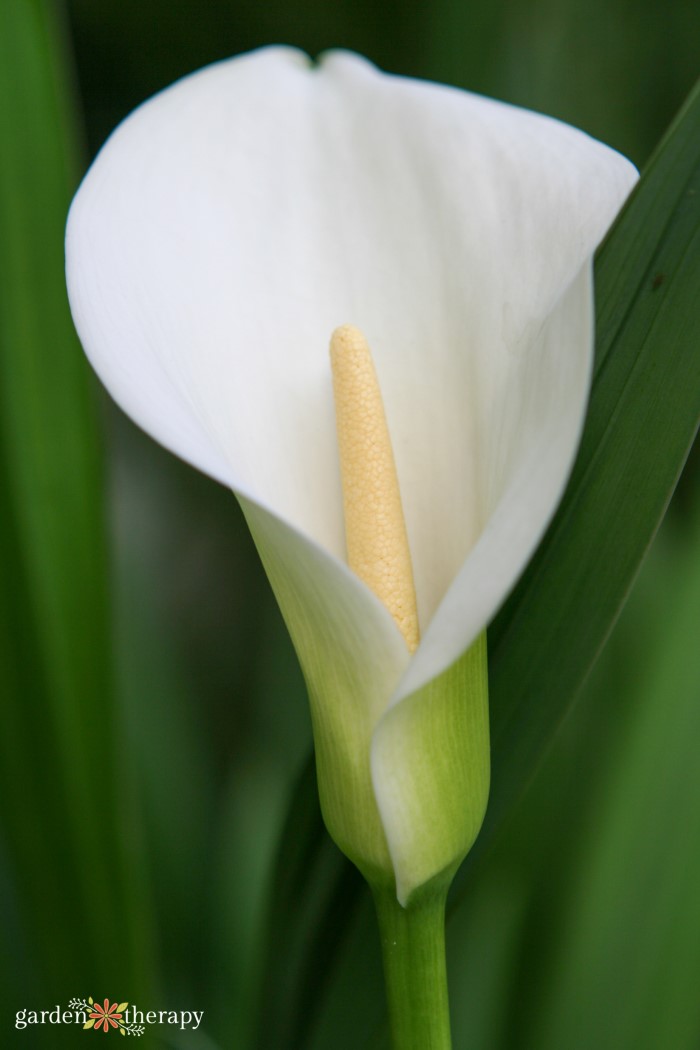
(623, 971)
(643, 414)
(313, 895)
(57, 731)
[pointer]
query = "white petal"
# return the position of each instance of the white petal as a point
(530, 422)
(237, 218)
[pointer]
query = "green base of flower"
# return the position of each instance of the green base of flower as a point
(413, 950)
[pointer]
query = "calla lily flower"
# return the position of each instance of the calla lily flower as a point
(227, 227)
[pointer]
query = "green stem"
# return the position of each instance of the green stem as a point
(415, 974)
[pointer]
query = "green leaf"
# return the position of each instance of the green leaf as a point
(644, 409)
(643, 415)
(633, 913)
(58, 736)
(313, 900)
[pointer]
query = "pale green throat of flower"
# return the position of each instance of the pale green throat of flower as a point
(375, 529)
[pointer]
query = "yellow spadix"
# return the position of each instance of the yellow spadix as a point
(375, 530)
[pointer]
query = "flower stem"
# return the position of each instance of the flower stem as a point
(415, 974)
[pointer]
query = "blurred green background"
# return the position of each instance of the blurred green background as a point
(155, 722)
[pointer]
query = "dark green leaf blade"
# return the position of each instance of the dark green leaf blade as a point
(643, 415)
(58, 733)
(621, 971)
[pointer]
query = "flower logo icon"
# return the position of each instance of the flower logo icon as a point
(106, 1016)
(103, 1016)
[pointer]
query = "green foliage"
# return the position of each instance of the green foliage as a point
(630, 939)
(643, 414)
(58, 732)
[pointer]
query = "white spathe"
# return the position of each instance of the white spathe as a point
(234, 220)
